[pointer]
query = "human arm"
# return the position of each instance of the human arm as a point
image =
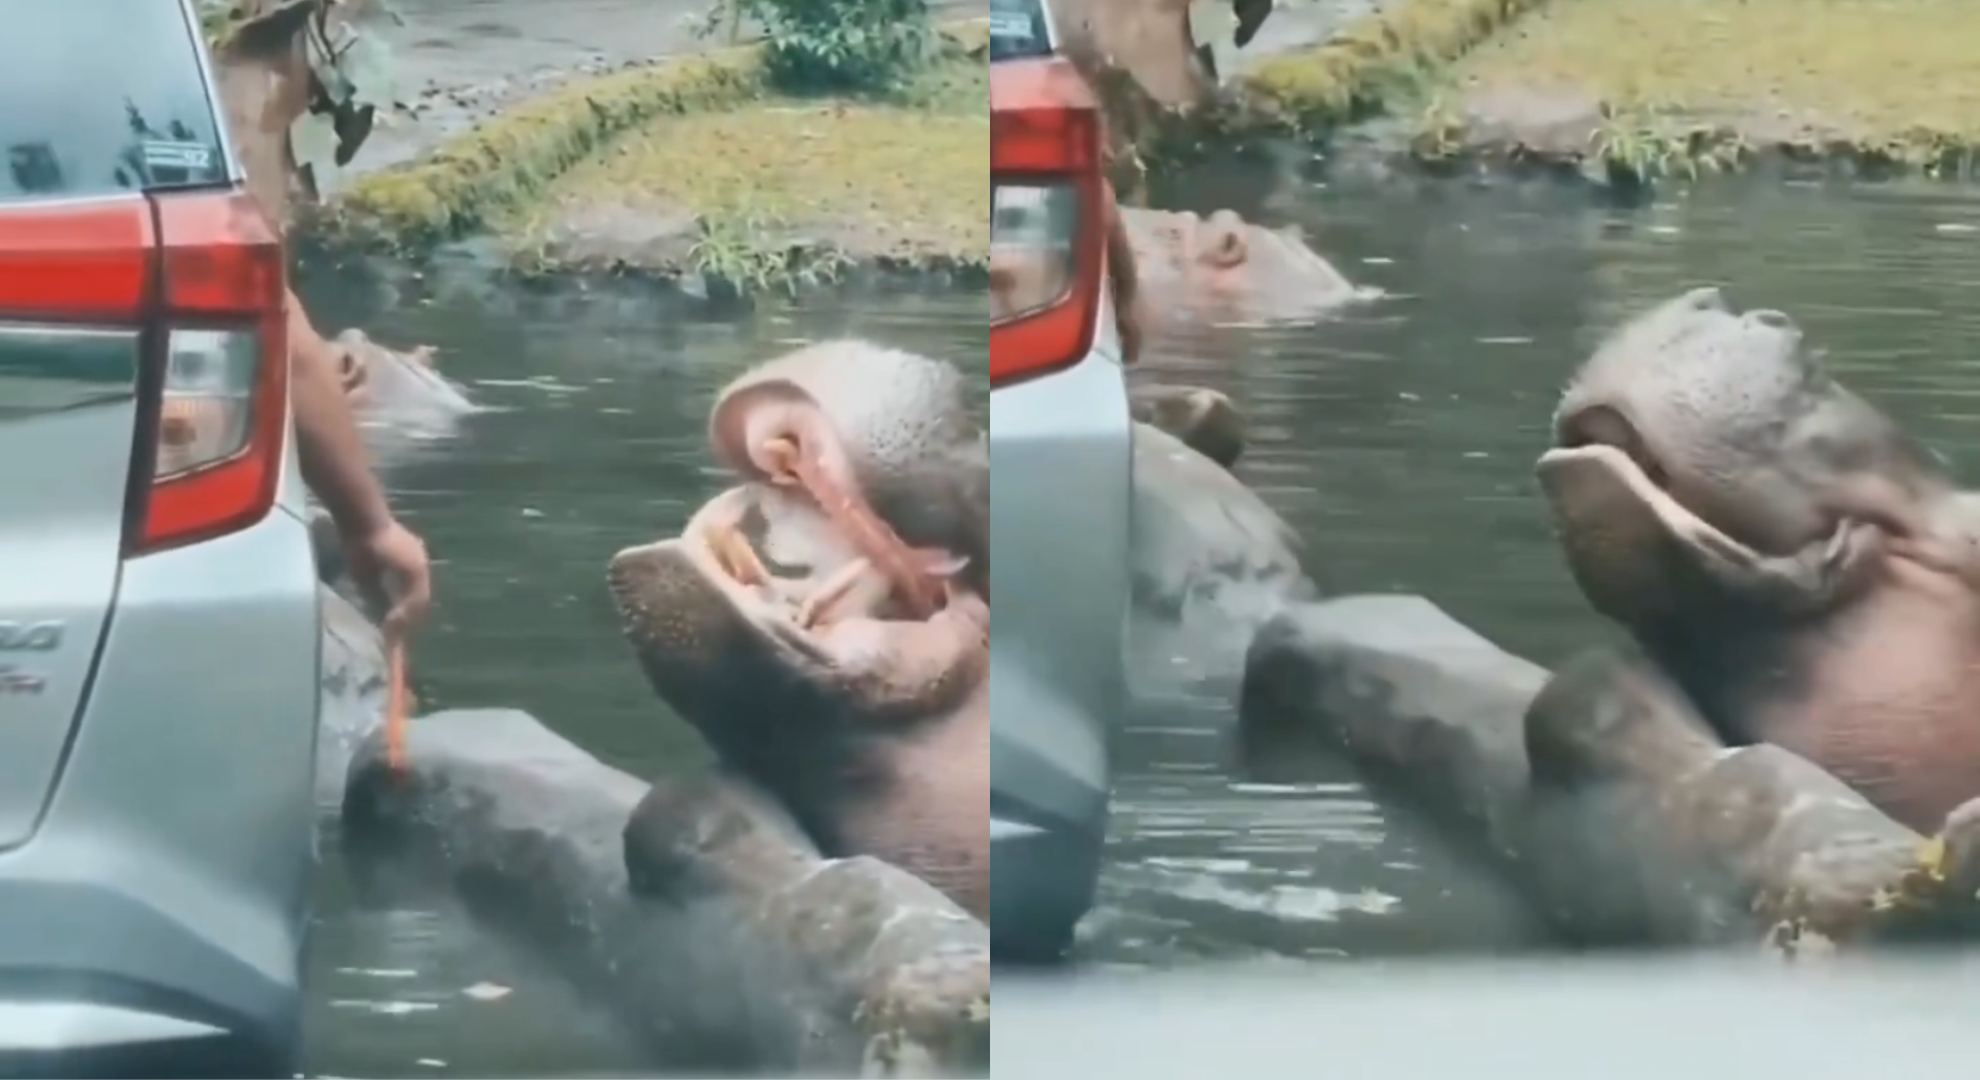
(1126, 280)
(385, 558)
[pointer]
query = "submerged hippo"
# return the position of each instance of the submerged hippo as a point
(1204, 420)
(1796, 563)
(1223, 269)
(870, 725)
(401, 388)
(883, 441)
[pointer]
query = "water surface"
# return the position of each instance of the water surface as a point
(1399, 441)
(594, 438)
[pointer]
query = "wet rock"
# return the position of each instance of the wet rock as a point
(1424, 705)
(1200, 418)
(1633, 824)
(1728, 844)
(691, 908)
(1211, 561)
(352, 684)
(1511, 121)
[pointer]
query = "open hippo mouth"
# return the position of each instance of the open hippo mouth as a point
(765, 660)
(1702, 455)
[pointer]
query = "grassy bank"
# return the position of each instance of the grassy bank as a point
(1356, 71)
(1365, 69)
(1685, 86)
(700, 150)
(779, 191)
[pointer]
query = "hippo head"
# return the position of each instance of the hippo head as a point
(1223, 268)
(400, 387)
(883, 443)
(762, 626)
(1704, 462)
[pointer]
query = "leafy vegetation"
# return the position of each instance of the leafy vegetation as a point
(834, 46)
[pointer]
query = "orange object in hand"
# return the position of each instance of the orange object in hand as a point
(396, 705)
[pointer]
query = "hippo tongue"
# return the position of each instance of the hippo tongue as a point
(910, 568)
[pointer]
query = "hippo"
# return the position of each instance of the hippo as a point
(885, 444)
(1204, 420)
(1222, 269)
(1797, 564)
(870, 724)
(402, 389)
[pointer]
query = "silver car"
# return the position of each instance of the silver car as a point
(158, 606)
(1061, 490)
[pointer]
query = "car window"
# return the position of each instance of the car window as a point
(103, 96)
(1019, 30)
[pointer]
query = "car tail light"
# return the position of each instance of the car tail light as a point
(1048, 224)
(84, 263)
(220, 373)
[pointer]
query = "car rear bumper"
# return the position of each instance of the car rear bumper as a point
(158, 914)
(1048, 816)
(1062, 488)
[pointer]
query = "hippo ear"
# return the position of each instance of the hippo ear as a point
(273, 32)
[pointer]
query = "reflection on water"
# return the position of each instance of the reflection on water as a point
(1399, 441)
(594, 437)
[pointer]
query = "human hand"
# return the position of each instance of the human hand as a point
(390, 562)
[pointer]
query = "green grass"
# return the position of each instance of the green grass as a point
(1887, 79)
(788, 190)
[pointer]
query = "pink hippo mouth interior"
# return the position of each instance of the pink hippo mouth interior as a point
(1624, 533)
(763, 661)
(701, 592)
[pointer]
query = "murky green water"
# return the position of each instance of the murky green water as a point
(1399, 440)
(594, 439)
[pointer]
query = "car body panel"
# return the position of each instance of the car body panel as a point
(68, 408)
(157, 796)
(1061, 489)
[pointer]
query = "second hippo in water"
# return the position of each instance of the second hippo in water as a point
(1800, 567)
(399, 387)
(1224, 269)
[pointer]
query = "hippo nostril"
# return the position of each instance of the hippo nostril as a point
(1770, 318)
(1706, 298)
(1601, 425)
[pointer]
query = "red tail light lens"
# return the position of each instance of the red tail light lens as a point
(223, 385)
(1048, 218)
(76, 263)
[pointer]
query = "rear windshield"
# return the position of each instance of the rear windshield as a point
(103, 96)
(1018, 30)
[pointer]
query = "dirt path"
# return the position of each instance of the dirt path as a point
(457, 61)
(1302, 24)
